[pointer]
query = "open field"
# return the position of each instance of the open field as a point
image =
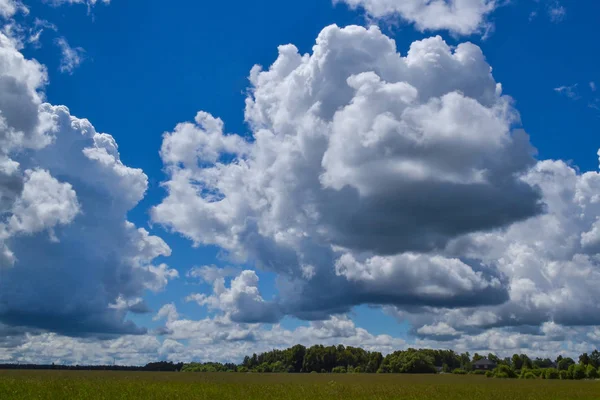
(148, 385)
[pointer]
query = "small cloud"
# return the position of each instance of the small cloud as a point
(569, 91)
(36, 31)
(557, 12)
(593, 86)
(72, 57)
(532, 15)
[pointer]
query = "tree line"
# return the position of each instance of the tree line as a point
(348, 359)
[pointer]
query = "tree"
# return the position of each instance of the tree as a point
(504, 371)
(517, 362)
(375, 359)
(577, 371)
(551, 373)
(595, 358)
(542, 363)
(591, 372)
(494, 358)
(526, 361)
(565, 363)
(295, 357)
(584, 359)
(419, 364)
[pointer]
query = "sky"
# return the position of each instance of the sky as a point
(206, 180)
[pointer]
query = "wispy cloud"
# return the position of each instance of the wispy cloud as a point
(35, 32)
(593, 86)
(72, 57)
(556, 12)
(569, 91)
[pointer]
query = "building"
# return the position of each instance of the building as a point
(484, 364)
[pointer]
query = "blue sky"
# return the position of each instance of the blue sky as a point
(146, 68)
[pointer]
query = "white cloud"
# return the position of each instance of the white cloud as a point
(593, 86)
(9, 8)
(556, 12)
(550, 261)
(357, 153)
(43, 204)
(219, 339)
(462, 17)
(168, 312)
(186, 340)
(242, 301)
(65, 193)
(569, 91)
(89, 3)
(71, 57)
(210, 273)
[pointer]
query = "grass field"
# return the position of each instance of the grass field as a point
(127, 385)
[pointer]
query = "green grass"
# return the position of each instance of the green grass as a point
(224, 386)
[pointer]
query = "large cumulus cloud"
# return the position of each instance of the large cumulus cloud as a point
(70, 261)
(362, 165)
(551, 261)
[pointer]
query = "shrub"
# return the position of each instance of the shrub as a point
(504, 371)
(577, 371)
(529, 375)
(459, 371)
(489, 374)
(551, 373)
(535, 372)
(339, 370)
(563, 374)
(477, 372)
(591, 372)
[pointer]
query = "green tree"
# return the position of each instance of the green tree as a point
(494, 358)
(295, 357)
(591, 372)
(517, 362)
(577, 371)
(584, 359)
(595, 358)
(551, 373)
(565, 363)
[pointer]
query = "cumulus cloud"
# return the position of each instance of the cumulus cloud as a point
(65, 193)
(462, 17)
(216, 339)
(242, 301)
(220, 339)
(550, 261)
(168, 312)
(361, 160)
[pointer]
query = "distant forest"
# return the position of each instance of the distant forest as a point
(347, 359)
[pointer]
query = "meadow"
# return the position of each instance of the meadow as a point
(235, 386)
